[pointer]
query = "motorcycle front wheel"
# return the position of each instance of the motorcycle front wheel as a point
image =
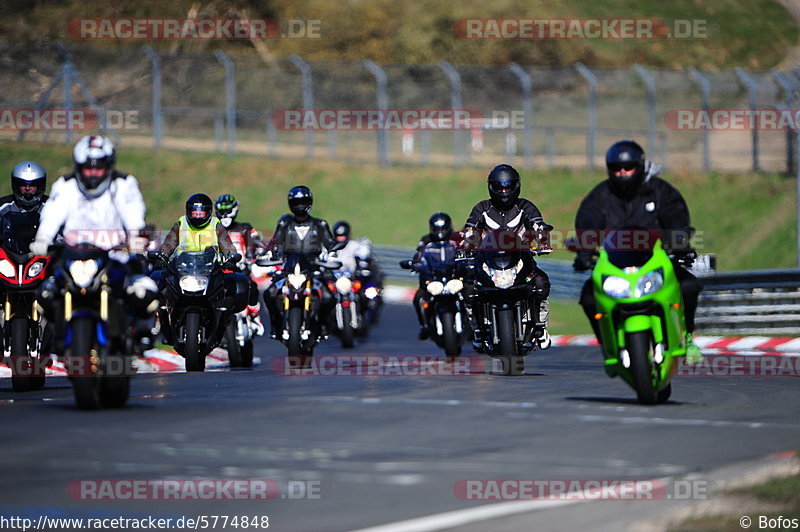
(512, 364)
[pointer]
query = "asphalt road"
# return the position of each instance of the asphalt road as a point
(374, 450)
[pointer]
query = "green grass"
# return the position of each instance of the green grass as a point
(748, 220)
(753, 35)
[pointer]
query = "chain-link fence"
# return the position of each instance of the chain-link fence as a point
(531, 116)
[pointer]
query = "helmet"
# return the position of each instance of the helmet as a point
(341, 228)
(503, 186)
(198, 210)
(625, 155)
(300, 200)
(226, 207)
(28, 181)
(440, 226)
(94, 158)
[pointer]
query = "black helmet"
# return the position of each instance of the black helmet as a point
(625, 155)
(341, 228)
(440, 226)
(300, 200)
(199, 210)
(32, 176)
(503, 186)
(226, 207)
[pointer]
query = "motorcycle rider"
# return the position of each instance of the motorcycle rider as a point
(194, 232)
(634, 196)
(101, 206)
(28, 183)
(440, 228)
(247, 242)
(505, 211)
(356, 257)
(299, 232)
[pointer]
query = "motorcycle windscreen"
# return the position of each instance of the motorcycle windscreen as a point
(438, 259)
(17, 231)
(195, 262)
(630, 247)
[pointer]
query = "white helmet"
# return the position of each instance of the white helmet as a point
(94, 152)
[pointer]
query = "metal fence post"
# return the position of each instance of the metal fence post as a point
(705, 95)
(791, 134)
(591, 137)
(749, 84)
(158, 132)
(69, 78)
(455, 104)
(230, 98)
(650, 83)
(527, 109)
(308, 98)
(383, 104)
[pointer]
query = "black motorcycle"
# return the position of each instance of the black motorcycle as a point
(443, 299)
(199, 302)
(504, 288)
(300, 293)
(94, 301)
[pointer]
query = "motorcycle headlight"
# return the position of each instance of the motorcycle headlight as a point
(454, 286)
(371, 292)
(35, 269)
(7, 269)
(193, 283)
(616, 287)
(435, 288)
(296, 280)
(649, 283)
(343, 285)
(83, 272)
(503, 278)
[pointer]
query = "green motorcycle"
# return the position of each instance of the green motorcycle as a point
(641, 318)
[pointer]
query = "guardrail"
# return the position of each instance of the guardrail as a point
(739, 303)
(750, 302)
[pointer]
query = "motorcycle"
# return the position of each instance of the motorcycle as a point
(443, 300)
(346, 320)
(504, 288)
(300, 296)
(197, 310)
(641, 317)
(21, 274)
(239, 335)
(98, 340)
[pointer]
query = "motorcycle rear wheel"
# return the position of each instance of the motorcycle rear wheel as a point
(234, 350)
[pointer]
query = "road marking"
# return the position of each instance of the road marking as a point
(456, 518)
(442, 402)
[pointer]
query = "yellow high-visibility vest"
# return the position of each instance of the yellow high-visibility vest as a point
(192, 239)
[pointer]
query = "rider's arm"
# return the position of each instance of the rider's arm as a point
(673, 215)
(279, 238)
(326, 235)
(226, 247)
(171, 240)
(54, 212)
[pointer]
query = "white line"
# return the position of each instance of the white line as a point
(456, 518)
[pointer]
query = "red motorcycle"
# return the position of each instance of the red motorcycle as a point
(21, 273)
